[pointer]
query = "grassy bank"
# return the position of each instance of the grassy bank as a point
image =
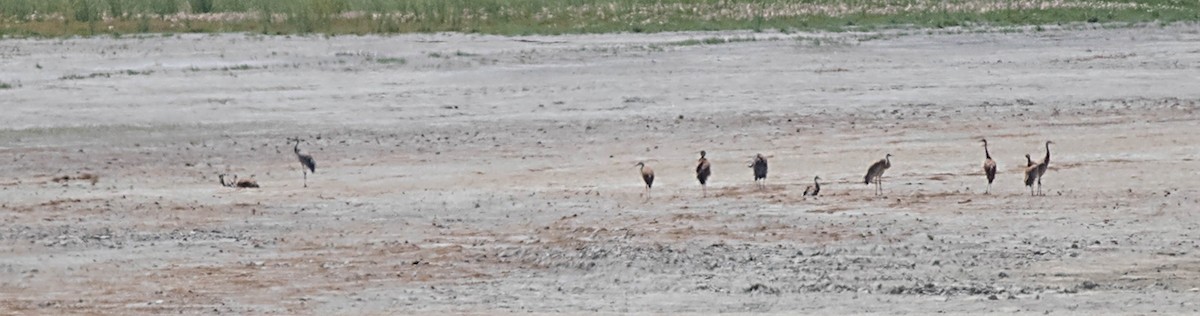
(93, 17)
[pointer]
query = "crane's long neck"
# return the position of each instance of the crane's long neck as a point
(987, 154)
(297, 148)
(1047, 160)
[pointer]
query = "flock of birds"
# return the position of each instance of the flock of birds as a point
(1033, 172)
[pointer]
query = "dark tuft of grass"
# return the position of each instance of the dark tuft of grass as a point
(87, 76)
(238, 67)
(391, 60)
(713, 41)
(106, 74)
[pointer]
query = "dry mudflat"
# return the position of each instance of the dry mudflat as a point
(485, 174)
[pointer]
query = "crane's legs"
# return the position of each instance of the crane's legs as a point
(705, 188)
(305, 178)
(879, 185)
(989, 189)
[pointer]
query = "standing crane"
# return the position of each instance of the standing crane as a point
(989, 166)
(760, 170)
(647, 176)
(703, 170)
(875, 173)
(1035, 172)
(307, 164)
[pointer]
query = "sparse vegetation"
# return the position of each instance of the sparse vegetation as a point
(713, 41)
(391, 60)
(129, 72)
(238, 67)
(90, 17)
(87, 76)
(5, 85)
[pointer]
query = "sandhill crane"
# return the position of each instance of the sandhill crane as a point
(243, 183)
(875, 173)
(1029, 164)
(1035, 172)
(703, 170)
(82, 177)
(989, 167)
(760, 170)
(307, 164)
(814, 189)
(647, 176)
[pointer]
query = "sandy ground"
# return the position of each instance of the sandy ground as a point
(483, 174)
